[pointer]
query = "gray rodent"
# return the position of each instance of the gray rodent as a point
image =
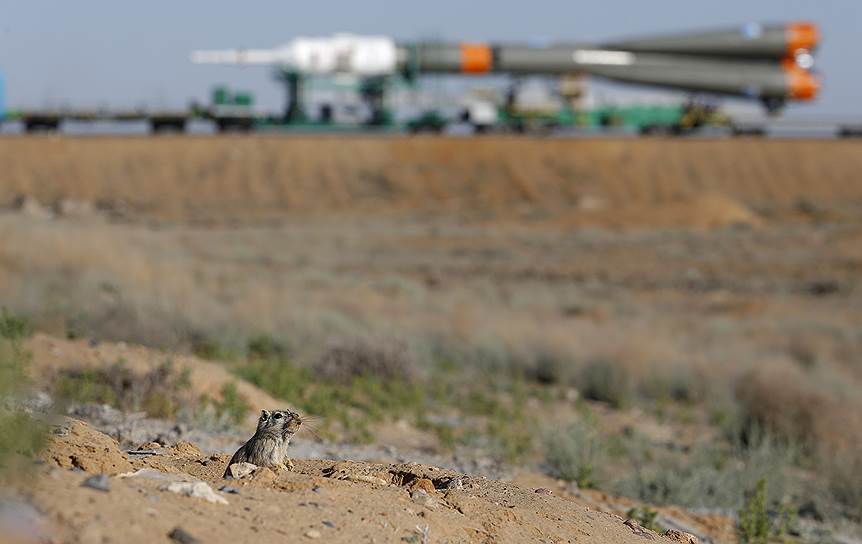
(268, 446)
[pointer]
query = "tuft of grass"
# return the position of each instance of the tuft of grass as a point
(354, 404)
(602, 380)
(14, 327)
(20, 434)
(646, 516)
(161, 392)
(232, 404)
(266, 347)
(753, 524)
(384, 359)
(572, 453)
(757, 524)
(230, 410)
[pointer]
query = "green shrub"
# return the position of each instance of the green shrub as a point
(572, 453)
(384, 359)
(14, 328)
(757, 524)
(753, 524)
(161, 392)
(646, 516)
(266, 347)
(232, 404)
(231, 409)
(604, 381)
(20, 434)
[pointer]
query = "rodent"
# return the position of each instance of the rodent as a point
(268, 446)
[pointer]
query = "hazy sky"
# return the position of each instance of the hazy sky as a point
(121, 54)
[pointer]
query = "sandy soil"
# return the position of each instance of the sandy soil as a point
(330, 501)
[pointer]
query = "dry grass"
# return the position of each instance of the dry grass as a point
(643, 320)
(262, 177)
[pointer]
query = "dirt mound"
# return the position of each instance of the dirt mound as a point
(327, 500)
(77, 445)
(254, 178)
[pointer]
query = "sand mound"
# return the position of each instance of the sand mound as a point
(326, 500)
(74, 444)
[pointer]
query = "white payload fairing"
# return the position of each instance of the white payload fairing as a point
(338, 54)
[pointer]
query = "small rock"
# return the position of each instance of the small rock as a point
(69, 207)
(182, 536)
(200, 490)
(590, 203)
(424, 484)
(27, 205)
(420, 497)
(99, 482)
(328, 523)
(229, 489)
(313, 533)
(454, 483)
(638, 530)
(264, 475)
(543, 491)
(238, 471)
(157, 475)
(679, 536)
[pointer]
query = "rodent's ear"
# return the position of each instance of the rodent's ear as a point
(264, 414)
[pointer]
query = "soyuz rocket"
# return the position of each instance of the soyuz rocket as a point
(772, 63)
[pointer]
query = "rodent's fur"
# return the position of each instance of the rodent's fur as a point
(268, 446)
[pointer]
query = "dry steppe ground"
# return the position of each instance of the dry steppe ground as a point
(665, 321)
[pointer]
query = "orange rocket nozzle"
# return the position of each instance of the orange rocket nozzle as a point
(801, 84)
(802, 36)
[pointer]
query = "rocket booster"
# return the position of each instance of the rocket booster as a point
(758, 61)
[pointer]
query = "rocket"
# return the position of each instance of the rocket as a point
(772, 63)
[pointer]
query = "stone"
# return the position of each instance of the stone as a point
(313, 534)
(69, 207)
(421, 497)
(680, 536)
(263, 475)
(200, 490)
(29, 206)
(100, 482)
(157, 475)
(454, 483)
(424, 484)
(182, 536)
(238, 471)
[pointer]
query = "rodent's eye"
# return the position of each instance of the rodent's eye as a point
(276, 416)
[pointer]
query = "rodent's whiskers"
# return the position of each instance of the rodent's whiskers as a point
(311, 430)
